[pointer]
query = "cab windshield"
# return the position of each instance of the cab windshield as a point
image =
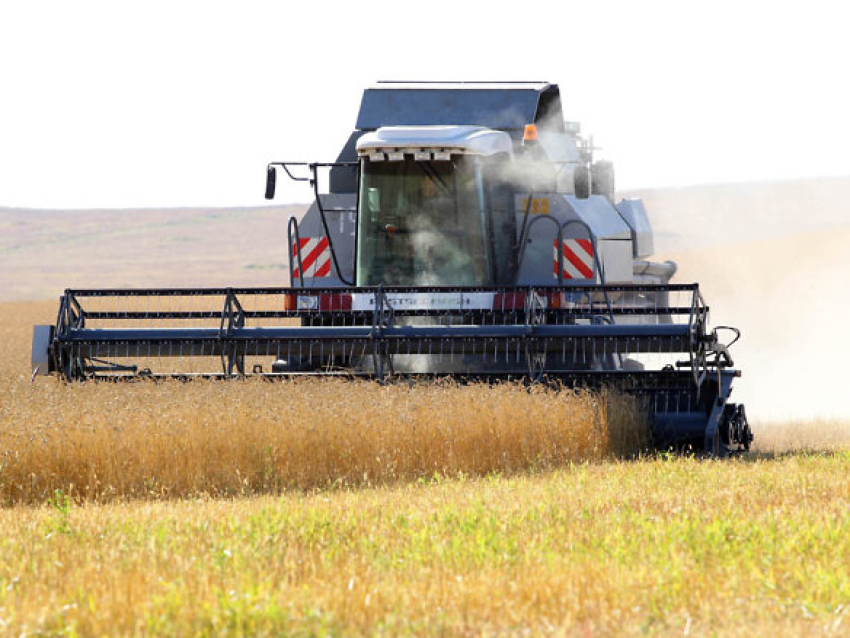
(422, 224)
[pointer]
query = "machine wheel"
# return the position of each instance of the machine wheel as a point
(734, 428)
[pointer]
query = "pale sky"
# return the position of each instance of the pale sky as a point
(127, 104)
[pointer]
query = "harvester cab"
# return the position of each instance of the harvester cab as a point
(466, 232)
(418, 187)
(435, 198)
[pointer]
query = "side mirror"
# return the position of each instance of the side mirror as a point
(271, 181)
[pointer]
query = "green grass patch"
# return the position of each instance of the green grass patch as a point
(657, 546)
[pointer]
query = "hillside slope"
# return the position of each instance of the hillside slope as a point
(43, 252)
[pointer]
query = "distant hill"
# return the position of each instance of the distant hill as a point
(42, 252)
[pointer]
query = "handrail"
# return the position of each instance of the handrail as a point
(596, 259)
(523, 231)
(315, 183)
(292, 229)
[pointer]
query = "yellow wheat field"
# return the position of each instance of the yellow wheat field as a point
(663, 546)
(103, 441)
(173, 439)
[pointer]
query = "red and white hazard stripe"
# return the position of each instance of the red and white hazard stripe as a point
(315, 257)
(577, 262)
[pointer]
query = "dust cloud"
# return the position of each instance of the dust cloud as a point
(772, 260)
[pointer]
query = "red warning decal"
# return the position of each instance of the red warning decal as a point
(577, 262)
(315, 257)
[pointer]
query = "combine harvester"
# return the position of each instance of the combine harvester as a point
(467, 232)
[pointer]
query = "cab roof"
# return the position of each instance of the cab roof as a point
(495, 105)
